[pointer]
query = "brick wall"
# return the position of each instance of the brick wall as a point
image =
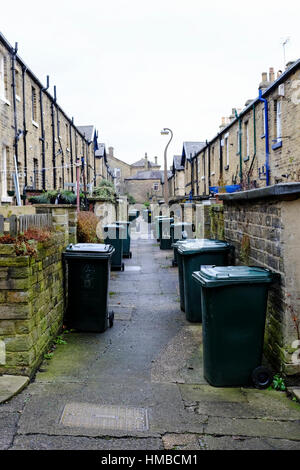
(32, 304)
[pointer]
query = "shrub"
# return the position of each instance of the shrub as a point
(49, 197)
(105, 190)
(25, 242)
(86, 227)
(130, 199)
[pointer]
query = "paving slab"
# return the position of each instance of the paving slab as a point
(10, 385)
(41, 442)
(253, 427)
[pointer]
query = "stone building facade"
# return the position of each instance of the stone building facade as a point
(257, 146)
(34, 128)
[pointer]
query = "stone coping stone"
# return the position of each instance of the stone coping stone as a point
(55, 206)
(10, 385)
(277, 190)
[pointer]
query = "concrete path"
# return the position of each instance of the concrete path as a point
(139, 385)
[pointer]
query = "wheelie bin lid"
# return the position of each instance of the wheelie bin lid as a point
(215, 276)
(123, 222)
(181, 224)
(117, 226)
(180, 242)
(203, 245)
(89, 250)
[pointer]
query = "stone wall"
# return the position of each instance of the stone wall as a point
(265, 231)
(216, 215)
(64, 218)
(32, 304)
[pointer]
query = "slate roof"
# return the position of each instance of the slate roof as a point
(190, 149)
(88, 131)
(177, 163)
(141, 163)
(146, 175)
(170, 174)
(101, 152)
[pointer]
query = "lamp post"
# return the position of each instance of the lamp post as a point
(166, 131)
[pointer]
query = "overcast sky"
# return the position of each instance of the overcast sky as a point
(133, 67)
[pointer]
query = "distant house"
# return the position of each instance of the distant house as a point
(145, 185)
(189, 150)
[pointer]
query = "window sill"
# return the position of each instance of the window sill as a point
(35, 124)
(2, 98)
(277, 145)
(212, 174)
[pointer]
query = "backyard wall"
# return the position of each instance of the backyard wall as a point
(264, 227)
(31, 304)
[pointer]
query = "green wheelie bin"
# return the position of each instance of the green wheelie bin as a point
(180, 268)
(234, 302)
(126, 242)
(114, 235)
(165, 242)
(133, 214)
(180, 231)
(204, 251)
(87, 269)
(158, 226)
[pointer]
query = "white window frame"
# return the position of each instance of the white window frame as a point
(226, 139)
(2, 77)
(278, 121)
(247, 138)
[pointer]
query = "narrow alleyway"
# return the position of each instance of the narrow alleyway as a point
(139, 385)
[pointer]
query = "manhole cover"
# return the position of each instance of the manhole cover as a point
(105, 417)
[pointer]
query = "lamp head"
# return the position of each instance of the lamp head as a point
(164, 132)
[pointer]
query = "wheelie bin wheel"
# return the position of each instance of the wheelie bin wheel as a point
(111, 319)
(262, 377)
(122, 267)
(130, 255)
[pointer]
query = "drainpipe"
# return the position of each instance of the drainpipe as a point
(13, 69)
(254, 144)
(42, 138)
(263, 100)
(240, 144)
(208, 170)
(24, 70)
(71, 151)
(59, 140)
(53, 139)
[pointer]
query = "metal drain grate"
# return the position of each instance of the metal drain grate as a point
(111, 417)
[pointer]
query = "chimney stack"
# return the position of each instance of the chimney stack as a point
(146, 161)
(264, 82)
(110, 151)
(271, 75)
(155, 160)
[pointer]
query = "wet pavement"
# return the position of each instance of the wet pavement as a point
(140, 385)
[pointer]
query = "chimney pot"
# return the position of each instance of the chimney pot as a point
(111, 151)
(271, 74)
(155, 160)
